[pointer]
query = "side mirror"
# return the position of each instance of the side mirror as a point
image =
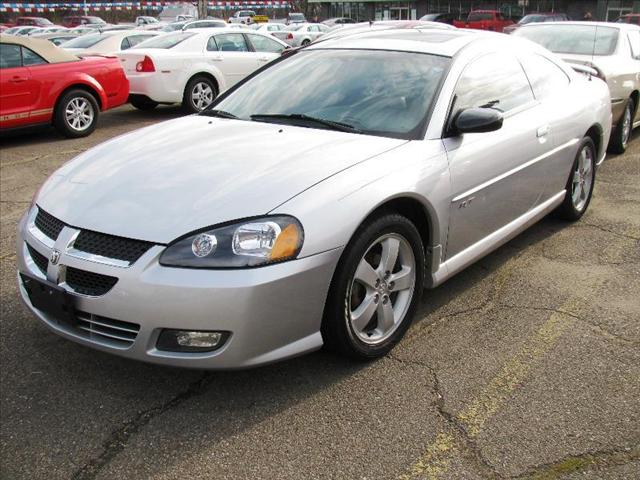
(478, 120)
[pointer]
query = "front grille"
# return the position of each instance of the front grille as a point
(110, 246)
(48, 224)
(89, 283)
(40, 260)
(106, 330)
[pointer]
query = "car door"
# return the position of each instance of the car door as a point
(551, 88)
(634, 44)
(16, 98)
(494, 176)
(264, 48)
(232, 56)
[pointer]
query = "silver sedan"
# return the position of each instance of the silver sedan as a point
(405, 157)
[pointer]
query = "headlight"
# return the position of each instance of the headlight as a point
(249, 243)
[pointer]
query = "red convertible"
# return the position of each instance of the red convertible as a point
(43, 84)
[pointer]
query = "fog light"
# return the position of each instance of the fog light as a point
(190, 340)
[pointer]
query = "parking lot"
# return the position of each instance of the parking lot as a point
(526, 365)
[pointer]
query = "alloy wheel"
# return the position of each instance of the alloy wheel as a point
(381, 289)
(201, 95)
(79, 113)
(582, 178)
(626, 125)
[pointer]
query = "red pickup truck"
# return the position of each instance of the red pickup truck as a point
(485, 20)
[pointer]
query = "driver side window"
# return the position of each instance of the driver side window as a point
(493, 81)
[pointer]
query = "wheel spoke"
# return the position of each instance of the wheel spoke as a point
(402, 280)
(362, 315)
(385, 316)
(365, 274)
(390, 249)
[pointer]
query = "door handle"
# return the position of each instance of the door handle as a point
(543, 131)
(18, 80)
(264, 59)
(215, 59)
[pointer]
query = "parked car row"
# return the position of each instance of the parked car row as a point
(193, 65)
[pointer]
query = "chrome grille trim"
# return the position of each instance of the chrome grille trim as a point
(105, 330)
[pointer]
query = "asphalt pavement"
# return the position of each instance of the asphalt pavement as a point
(524, 366)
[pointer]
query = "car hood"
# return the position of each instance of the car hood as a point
(164, 181)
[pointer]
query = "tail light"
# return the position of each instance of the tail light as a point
(290, 36)
(146, 65)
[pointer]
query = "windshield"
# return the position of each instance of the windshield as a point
(85, 41)
(532, 19)
(169, 40)
(377, 92)
(478, 17)
(573, 39)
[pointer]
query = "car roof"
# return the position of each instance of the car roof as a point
(44, 48)
(620, 26)
(48, 35)
(435, 41)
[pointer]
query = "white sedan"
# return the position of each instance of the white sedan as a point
(107, 42)
(268, 27)
(193, 66)
(301, 34)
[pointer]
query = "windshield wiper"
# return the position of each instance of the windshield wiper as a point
(342, 127)
(218, 113)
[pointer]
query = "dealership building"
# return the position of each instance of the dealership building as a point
(363, 10)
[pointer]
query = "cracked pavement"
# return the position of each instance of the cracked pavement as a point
(524, 366)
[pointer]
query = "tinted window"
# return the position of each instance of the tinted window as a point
(575, 39)
(264, 44)
(164, 41)
(85, 41)
(10, 56)
(231, 42)
(381, 93)
(545, 76)
(59, 40)
(125, 44)
(634, 41)
(493, 81)
(29, 57)
(212, 46)
(136, 39)
(477, 17)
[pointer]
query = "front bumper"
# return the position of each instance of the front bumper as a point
(272, 312)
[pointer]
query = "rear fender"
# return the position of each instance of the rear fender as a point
(87, 81)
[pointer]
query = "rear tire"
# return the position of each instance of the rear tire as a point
(580, 184)
(199, 93)
(622, 133)
(76, 114)
(371, 301)
(305, 42)
(144, 104)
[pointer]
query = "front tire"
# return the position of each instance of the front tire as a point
(76, 114)
(376, 288)
(622, 133)
(199, 94)
(580, 184)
